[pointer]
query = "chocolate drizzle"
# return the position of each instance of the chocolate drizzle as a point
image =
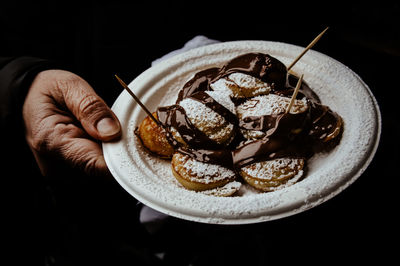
(295, 135)
(262, 66)
(208, 101)
(269, 123)
(265, 148)
(200, 82)
(175, 116)
(221, 157)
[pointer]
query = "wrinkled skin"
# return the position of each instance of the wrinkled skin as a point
(65, 122)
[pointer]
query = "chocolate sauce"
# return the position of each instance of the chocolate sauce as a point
(269, 123)
(295, 135)
(324, 123)
(305, 90)
(209, 101)
(200, 82)
(282, 139)
(221, 157)
(284, 136)
(262, 66)
(265, 148)
(175, 116)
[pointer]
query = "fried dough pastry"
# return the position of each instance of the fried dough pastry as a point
(240, 85)
(212, 124)
(199, 176)
(154, 138)
(335, 130)
(274, 174)
(224, 191)
(263, 105)
(327, 125)
(268, 105)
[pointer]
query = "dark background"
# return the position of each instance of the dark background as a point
(98, 39)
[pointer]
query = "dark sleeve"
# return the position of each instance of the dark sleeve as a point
(16, 75)
(24, 189)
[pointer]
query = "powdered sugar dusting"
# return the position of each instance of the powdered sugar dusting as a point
(289, 183)
(223, 98)
(203, 172)
(236, 83)
(224, 191)
(248, 82)
(199, 114)
(278, 169)
(207, 120)
(150, 180)
(223, 85)
(268, 105)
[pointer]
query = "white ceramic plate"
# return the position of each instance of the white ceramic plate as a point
(150, 180)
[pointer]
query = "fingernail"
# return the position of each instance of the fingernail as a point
(108, 127)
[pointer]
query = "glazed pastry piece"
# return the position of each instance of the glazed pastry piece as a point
(154, 138)
(206, 119)
(199, 176)
(270, 104)
(326, 124)
(264, 67)
(273, 174)
(199, 82)
(244, 76)
(264, 107)
(239, 85)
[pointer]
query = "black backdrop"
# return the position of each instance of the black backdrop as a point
(97, 39)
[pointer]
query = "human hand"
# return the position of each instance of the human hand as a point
(65, 121)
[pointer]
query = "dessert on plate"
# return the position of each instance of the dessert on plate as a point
(232, 125)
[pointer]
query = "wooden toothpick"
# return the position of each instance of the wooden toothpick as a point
(307, 48)
(137, 100)
(296, 90)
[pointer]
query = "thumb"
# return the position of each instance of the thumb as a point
(95, 116)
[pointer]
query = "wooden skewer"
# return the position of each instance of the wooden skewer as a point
(307, 48)
(137, 100)
(296, 90)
